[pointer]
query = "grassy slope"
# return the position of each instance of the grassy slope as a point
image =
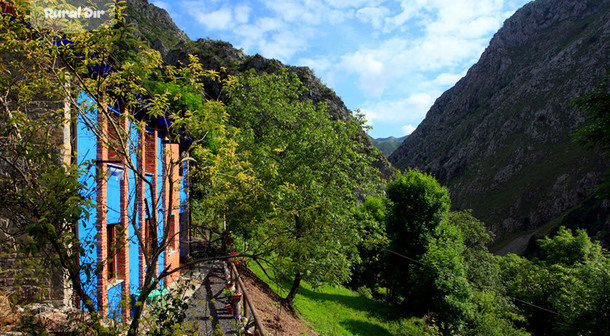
(339, 311)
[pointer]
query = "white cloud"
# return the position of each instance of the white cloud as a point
(315, 12)
(242, 14)
(254, 36)
(373, 15)
(319, 64)
(408, 129)
(217, 20)
(351, 3)
(337, 16)
(446, 79)
(269, 24)
(412, 109)
(370, 70)
(404, 47)
(434, 53)
(282, 45)
(287, 10)
(480, 27)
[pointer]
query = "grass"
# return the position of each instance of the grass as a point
(339, 311)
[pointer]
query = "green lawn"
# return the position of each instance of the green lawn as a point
(339, 311)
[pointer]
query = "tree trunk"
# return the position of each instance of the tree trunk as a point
(295, 288)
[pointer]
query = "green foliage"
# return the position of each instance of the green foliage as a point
(168, 312)
(388, 145)
(370, 218)
(418, 205)
(434, 279)
(570, 291)
(568, 249)
(310, 170)
(444, 277)
(494, 315)
(483, 268)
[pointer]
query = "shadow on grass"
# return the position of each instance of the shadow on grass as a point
(376, 308)
(363, 328)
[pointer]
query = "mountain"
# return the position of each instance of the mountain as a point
(501, 138)
(389, 144)
(155, 25)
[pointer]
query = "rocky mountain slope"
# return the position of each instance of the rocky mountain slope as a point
(156, 26)
(501, 138)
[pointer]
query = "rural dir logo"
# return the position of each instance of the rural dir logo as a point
(72, 16)
(79, 13)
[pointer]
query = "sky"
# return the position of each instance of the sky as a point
(390, 59)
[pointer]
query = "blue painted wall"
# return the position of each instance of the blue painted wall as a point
(114, 301)
(114, 177)
(161, 213)
(113, 197)
(86, 155)
(148, 196)
(183, 186)
(134, 251)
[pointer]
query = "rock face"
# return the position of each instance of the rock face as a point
(501, 138)
(156, 26)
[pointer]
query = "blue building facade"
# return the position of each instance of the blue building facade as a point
(134, 176)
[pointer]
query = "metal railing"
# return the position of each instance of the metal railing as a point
(247, 304)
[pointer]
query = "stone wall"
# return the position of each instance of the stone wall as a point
(23, 277)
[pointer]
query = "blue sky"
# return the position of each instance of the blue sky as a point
(389, 58)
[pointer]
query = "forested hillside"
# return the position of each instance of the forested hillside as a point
(389, 144)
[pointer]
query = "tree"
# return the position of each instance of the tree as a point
(444, 278)
(493, 312)
(482, 266)
(418, 205)
(427, 265)
(568, 249)
(370, 216)
(567, 288)
(311, 169)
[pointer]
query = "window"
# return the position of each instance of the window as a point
(182, 169)
(171, 239)
(111, 244)
(114, 135)
(151, 235)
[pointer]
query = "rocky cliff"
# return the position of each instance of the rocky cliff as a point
(501, 138)
(154, 25)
